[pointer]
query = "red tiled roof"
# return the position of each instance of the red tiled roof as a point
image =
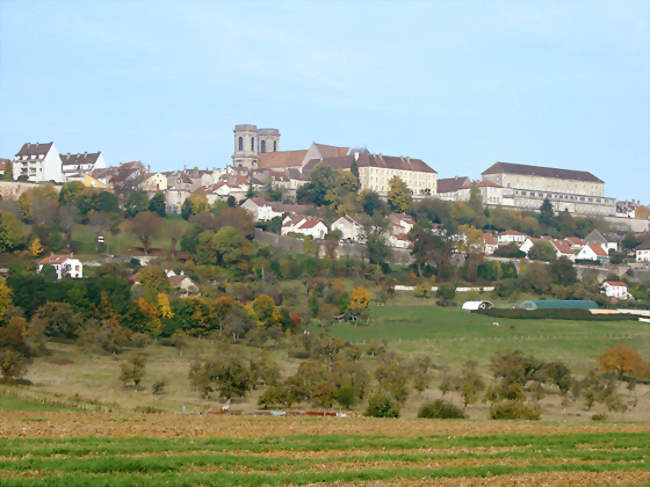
(616, 283)
(512, 232)
(598, 250)
(287, 158)
(489, 239)
(55, 259)
(311, 223)
(575, 240)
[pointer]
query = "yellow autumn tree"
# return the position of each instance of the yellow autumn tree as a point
(5, 298)
(36, 248)
(359, 301)
(163, 306)
(154, 326)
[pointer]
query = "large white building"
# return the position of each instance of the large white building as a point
(74, 166)
(528, 186)
(38, 163)
(643, 252)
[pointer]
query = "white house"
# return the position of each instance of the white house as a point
(510, 236)
(74, 166)
(183, 285)
(528, 244)
(349, 227)
(401, 223)
(307, 226)
(38, 162)
(399, 240)
(615, 289)
(65, 265)
(489, 243)
(608, 241)
(260, 209)
(643, 252)
(593, 252)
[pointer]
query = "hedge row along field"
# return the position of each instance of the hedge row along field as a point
(305, 451)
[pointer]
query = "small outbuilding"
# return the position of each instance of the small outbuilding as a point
(477, 305)
(557, 304)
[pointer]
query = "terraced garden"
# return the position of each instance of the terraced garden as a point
(125, 450)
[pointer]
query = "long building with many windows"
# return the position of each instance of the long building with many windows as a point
(526, 186)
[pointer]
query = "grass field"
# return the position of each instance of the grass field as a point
(452, 336)
(82, 449)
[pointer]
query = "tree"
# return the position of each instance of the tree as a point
(186, 209)
(381, 405)
(542, 250)
(35, 248)
(132, 371)
(399, 195)
(359, 301)
(469, 383)
(230, 376)
(68, 218)
(625, 361)
(5, 298)
(146, 226)
(8, 175)
(70, 193)
(136, 202)
(57, 320)
(546, 212)
(230, 247)
(12, 234)
(476, 199)
(429, 247)
(157, 204)
(372, 204)
(12, 365)
(562, 271)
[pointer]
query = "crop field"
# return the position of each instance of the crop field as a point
(451, 336)
(165, 449)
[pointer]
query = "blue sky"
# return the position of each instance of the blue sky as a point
(459, 84)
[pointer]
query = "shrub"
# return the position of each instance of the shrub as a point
(514, 410)
(382, 405)
(158, 387)
(12, 365)
(599, 417)
(440, 409)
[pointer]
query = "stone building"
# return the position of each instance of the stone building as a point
(250, 141)
(527, 186)
(376, 171)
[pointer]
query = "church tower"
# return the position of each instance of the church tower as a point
(250, 141)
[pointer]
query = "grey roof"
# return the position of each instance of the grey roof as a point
(372, 160)
(546, 172)
(644, 246)
(34, 149)
(449, 185)
(77, 159)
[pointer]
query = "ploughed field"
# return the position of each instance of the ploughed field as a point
(52, 448)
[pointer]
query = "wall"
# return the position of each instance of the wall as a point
(351, 250)
(11, 190)
(547, 184)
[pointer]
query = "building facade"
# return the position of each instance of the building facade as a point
(527, 186)
(38, 163)
(249, 142)
(74, 166)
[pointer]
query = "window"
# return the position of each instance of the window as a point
(240, 144)
(253, 144)
(263, 146)
(275, 145)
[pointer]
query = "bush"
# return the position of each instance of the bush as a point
(440, 409)
(514, 410)
(382, 405)
(599, 417)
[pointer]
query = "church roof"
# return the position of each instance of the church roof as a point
(285, 158)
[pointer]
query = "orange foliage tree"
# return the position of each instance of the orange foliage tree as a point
(624, 360)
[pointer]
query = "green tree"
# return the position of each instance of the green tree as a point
(546, 212)
(157, 204)
(382, 405)
(133, 370)
(12, 234)
(186, 209)
(399, 195)
(230, 247)
(57, 320)
(12, 365)
(8, 175)
(563, 272)
(476, 199)
(136, 202)
(70, 193)
(542, 250)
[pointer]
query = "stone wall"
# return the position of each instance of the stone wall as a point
(343, 250)
(547, 184)
(11, 190)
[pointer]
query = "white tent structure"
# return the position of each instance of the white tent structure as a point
(476, 305)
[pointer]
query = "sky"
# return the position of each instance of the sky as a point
(458, 84)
